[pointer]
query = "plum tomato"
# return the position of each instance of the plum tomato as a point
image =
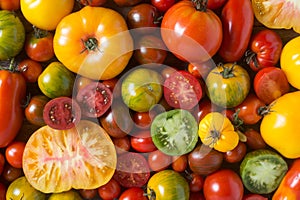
(30, 69)
(62, 113)
(270, 83)
(34, 109)
(133, 193)
(141, 141)
(94, 99)
(182, 90)
(111, 190)
(132, 170)
(159, 161)
(163, 5)
(14, 153)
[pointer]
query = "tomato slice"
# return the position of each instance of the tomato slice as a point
(132, 170)
(83, 157)
(182, 90)
(61, 113)
(94, 99)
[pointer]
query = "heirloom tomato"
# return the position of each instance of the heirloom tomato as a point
(12, 37)
(161, 186)
(46, 14)
(277, 14)
(191, 31)
(34, 110)
(111, 190)
(289, 61)
(228, 85)
(93, 42)
(279, 127)
(48, 152)
(30, 69)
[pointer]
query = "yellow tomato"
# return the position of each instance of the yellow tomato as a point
(46, 14)
(94, 42)
(216, 131)
(290, 61)
(280, 127)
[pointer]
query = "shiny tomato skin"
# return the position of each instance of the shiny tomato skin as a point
(30, 69)
(159, 161)
(133, 193)
(215, 4)
(179, 163)
(14, 152)
(110, 190)
(201, 70)
(10, 4)
(88, 193)
(122, 144)
(34, 110)
(254, 197)
(254, 139)
(142, 142)
(237, 154)
(163, 5)
(196, 196)
(196, 182)
(192, 35)
(142, 119)
(92, 2)
(11, 173)
(224, 184)
(237, 21)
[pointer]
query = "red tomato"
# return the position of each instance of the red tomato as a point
(39, 45)
(270, 83)
(265, 49)
(182, 90)
(196, 182)
(110, 190)
(30, 69)
(61, 113)
(88, 194)
(142, 142)
(142, 119)
(254, 197)
(237, 154)
(92, 2)
(10, 4)
(192, 32)
(215, 4)
(201, 70)
(2, 191)
(223, 184)
(163, 5)
(2, 163)
(237, 21)
(11, 173)
(34, 110)
(134, 193)
(254, 139)
(179, 163)
(159, 161)
(122, 144)
(204, 107)
(14, 153)
(126, 3)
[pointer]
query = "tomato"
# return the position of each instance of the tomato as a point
(39, 45)
(88, 194)
(14, 153)
(141, 89)
(150, 49)
(133, 193)
(201, 70)
(46, 14)
(92, 2)
(132, 170)
(161, 186)
(122, 144)
(2, 162)
(237, 154)
(276, 14)
(94, 99)
(11, 173)
(97, 40)
(196, 196)
(12, 36)
(2, 191)
(215, 4)
(30, 69)
(126, 3)
(270, 83)
(71, 194)
(254, 197)
(141, 141)
(34, 110)
(223, 184)
(196, 182)
(10, 4)
(174, 132)
(228, 85)
(110, 190)
(251, 110)
(280, 126)
(182, 90)
(265, 49)
(21, 189)
(192, 32)
(81, 82)
(254, 139)
(163, 5)
(179, 163)
(204, 107)
(87, 146)
(204, 160)
(142, 120)
(217, 131)
(56, 80)
(62, 113)
(12, 93)
(289, 61)
(159, 161)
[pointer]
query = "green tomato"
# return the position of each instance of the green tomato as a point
(68, 195)
(56, 80)
(141, 89)
(21, 189)
(12, 35)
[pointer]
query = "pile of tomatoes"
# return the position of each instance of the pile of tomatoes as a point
(147, 99)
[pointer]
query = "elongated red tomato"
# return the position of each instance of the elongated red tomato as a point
(237, 21)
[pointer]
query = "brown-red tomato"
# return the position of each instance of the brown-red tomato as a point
(30, 69)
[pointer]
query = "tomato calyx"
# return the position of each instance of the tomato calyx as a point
(227, 72)
(91, 44)
(200, 5)
(152, 195)
(39, 33)
(9, 65)
(251, 57)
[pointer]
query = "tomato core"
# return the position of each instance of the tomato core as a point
(91, 44)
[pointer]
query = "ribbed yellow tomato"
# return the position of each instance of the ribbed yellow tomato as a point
(216, 131)
(280, 127)
(93, 42)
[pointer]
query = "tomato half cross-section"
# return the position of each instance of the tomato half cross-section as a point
(82, 157)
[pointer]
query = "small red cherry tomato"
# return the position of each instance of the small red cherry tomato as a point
(142, 142)
(110, 190)
(14, 153)
(163, 5)
(30, 69)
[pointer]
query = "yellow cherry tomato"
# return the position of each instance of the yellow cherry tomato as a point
(216, 131)
(280, 127)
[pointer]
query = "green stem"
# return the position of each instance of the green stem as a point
(39, 33)
(200, 5)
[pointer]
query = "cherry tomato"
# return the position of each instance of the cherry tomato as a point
(2, 191)
(92, 2)
(110, 190)
(142, 142)
(254, 197)
(254, 139)
(159, 161)
(133, 193)
(179, 163)
(122, 144)
(196, 182)
(223, 184)
(163, 5)
(34, 110)
(237, 154)
(14, 152)
(201, 70)
(215, 4)
(11, 173)
(142, 119)
(88, 193)
(30, 69)
(2, 162)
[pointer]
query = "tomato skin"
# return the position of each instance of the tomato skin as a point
(2, 162)
(159, 161)
(163, 5)
(14, 152)
(12, 93)
(223, 184)
(196, 182)
(10, 4)
(92, 2)
(183, 24)
(254, 197)
(133, 193)
(142, 142)
(34, 110)
(2, 191)
(236, 154)
(110, 190)
(201, 70)
(215, 4)
(254, 139)
(142, 120)
(30, 69)
(88, 194)
(122, 144)
(126, 3)
(237, 21)
(179, 163)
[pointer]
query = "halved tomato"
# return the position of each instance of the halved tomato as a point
(83, 157)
